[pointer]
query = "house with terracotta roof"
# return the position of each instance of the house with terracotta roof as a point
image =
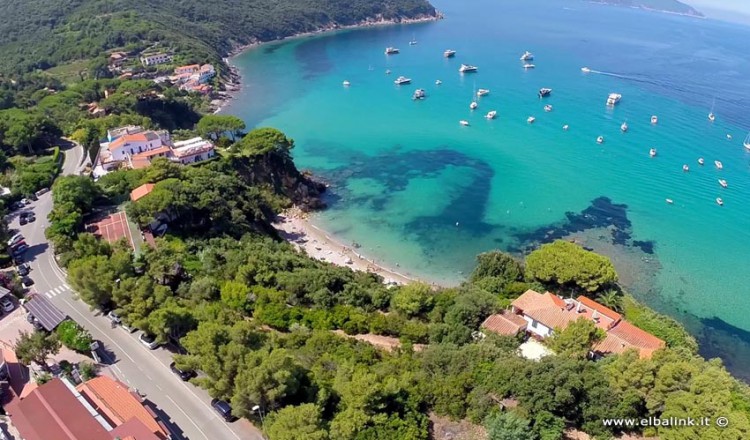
(141, 191)
(189, 69)
(544, 313)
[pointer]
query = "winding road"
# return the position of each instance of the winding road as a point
(183, 407)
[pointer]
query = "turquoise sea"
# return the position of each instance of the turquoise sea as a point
(418, 190)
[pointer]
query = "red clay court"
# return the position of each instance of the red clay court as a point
(112, 228)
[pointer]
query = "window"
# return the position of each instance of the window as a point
(533, 323)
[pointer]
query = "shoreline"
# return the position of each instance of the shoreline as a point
(296, 228)
(234, 84)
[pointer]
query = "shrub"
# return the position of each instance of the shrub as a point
(74, 336)
(88, 370)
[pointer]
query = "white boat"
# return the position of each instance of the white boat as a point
(585, 70)
(401, 80)
(719, 201)
(701, 161)
(528, 66)
(548, 108)
(449, 53)
(654, 119)
(685, 168)
(718, 164)
(624, 127)
(464, 123)
(491, 114)
(565, 127)
(466, 68)
(419, 94)
(711, 115)
(530, 119)
(473, 105)
(391, 51)
(613, 98)
(438, 82)
(527, 56)
(746, 143)
(670, 201)
(723, 183)
(729, 136)
(413, 41)
(388, 72)
(544, 92)
(600, 140)
(483, 92)
(346, 83)
(652, 152)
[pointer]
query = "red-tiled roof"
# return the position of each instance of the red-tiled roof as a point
(51, 412)
(115, 402)
(505, 323)
(133, 429)
(141, 191)
(590, 303)
(624, 336)
(151, 153)
(144, 136)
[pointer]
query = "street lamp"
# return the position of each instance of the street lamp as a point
(257, 409)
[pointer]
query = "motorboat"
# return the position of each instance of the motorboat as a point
(544, 92)
(388, 72)
(585, 70)
(401, 80)
(346, 83)
(669, 201)
(613, 98)
(624, 127)
(711, 117)
(685, 168)
(547, 108)
(527, 56)
(473, 105)
(483, 92)
(449, 53)
(438, 82)
(701, 161)
(723, 183)
(654, 119)
(391, 50)
(652, 152)
(600, 140)
(719, 201)
(729, 136)
(464, 123)
(530, 119)
(746, 143)
(413, 41)
(466, 68)
(528, 66)
(491, 114)
(718, 164)
(565, 127)
(419, 94)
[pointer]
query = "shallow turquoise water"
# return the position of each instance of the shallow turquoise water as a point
(415, 188)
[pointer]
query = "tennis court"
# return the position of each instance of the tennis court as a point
(112, 228)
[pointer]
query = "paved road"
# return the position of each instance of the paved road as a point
(185, 407)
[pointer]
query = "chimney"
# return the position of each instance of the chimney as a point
(578, 308)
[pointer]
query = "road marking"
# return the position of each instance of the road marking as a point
(187, 416)
(122, 350)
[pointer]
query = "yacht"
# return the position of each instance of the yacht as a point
(527, 56)
(719, 201)
(401, 80)
(729, 136)
(419, 94)
(711, 117)
(654, 119)
(483, 92)
(465, 68)
(670, 201)
(746, 143)
(723, 183)
(464, 123)
(652, 152)
(685, 168)
(624, 127)
(585, 70)
(473, 105)
(491, 114)
(391, 51)
(530, 119)
(547, 108)
(613, 98)
(438, 82)
(718, 164)
(449, 53)
(346, 83)
(701, 161)
(600, 140)
(565, 127)
(544, 92)
(528, 66)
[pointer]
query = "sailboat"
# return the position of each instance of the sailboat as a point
(747, 142)
(711, 115)
(413, 40)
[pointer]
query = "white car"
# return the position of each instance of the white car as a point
(148, 340)
(7, 304)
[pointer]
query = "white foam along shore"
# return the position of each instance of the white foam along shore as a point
(295, 227)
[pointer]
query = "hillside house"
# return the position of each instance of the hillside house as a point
(155, 59)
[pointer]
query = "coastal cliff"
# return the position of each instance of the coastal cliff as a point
(670, 6)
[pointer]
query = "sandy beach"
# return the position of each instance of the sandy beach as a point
(294, 226)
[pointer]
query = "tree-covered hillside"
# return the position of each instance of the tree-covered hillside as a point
(43, 33)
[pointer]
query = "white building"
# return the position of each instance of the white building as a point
(192, 150)
(154, 59)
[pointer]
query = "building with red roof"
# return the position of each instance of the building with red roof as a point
(141, 191)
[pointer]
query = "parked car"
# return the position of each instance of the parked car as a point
(27, 282)
(185, 375)
(148, 340)
(35, 322)
(15, 239)
(25, 201)
(7, 304)
(17, 244)
(23, 220)
(23, 269)
(31, 218)
(34, 197)
(128, 328)
(223, 409)
(20, 250)
(114, 317)
(98, 353)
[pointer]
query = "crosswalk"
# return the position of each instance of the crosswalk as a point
(57, 290)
